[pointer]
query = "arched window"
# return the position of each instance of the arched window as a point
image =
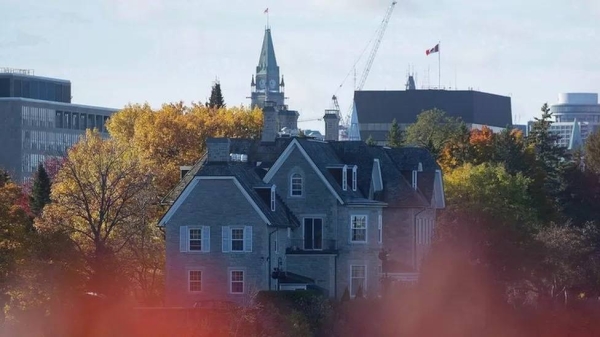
(296, 185)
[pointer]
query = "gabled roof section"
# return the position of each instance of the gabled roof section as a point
(267, 58)
(249, 180)
(397, 191)
(295, 144)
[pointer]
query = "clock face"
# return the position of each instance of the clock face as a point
(261, 84)
(272, 84)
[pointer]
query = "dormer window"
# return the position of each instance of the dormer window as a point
(345, 178)
(273, 198)
(354, 177)
(296, 185)
(414, 179)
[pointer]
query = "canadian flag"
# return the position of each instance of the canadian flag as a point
(435, 49)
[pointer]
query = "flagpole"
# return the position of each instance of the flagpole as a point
(439, 65)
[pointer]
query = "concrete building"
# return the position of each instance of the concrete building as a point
(575, 109)
(375, 110)
(39, 120)
(290, 213)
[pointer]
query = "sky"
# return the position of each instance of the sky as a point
(117, 52)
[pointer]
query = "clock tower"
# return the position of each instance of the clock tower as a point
(267, 85)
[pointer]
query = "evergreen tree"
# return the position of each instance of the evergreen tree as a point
(216, 97)
(40, 192)
(345, 296)
(550, 163)
(395, 136)
(370, 141)
(592, 152)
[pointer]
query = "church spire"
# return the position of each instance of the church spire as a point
(267, 58)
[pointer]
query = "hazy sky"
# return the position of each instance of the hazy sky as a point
(121, 51)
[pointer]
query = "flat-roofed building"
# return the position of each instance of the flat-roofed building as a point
(39, 120)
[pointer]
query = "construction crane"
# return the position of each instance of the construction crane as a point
(379, 33)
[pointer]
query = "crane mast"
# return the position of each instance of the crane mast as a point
(382, 29)
(352, 117)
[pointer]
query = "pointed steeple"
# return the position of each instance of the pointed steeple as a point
(575, 142)
(354, 132)
(267, 58)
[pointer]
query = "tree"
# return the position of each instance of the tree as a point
(550, 161)
(14, 230)
(370, 141)
(40, 192)
(93, 201)
(433, 130)
(175, 134)
(592, 152)
(395, 137)
(216, 97)
(489, 218)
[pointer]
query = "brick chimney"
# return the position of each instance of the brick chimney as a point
(332, 125)
(218, 149)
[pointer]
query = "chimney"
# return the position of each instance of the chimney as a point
(270, 127)
(332, 125)
(183, 170)
(218, 149)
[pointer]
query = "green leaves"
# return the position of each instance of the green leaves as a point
(433, 130)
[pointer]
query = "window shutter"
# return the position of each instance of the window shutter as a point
(183, 239)
(226, 239)
(248, 238)
(205, 239)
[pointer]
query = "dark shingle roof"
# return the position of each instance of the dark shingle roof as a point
(247, 176)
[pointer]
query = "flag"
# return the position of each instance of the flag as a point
(267, 11)
(435, 49)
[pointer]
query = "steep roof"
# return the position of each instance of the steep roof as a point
(247, 176)
(267, 58)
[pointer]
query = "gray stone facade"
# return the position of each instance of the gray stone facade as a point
(259, 193)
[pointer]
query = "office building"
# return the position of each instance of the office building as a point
(375, 110)
(39, 120)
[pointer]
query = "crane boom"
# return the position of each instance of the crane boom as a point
(382, 29)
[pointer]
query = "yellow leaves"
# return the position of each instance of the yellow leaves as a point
(94, 191)
(175, 134)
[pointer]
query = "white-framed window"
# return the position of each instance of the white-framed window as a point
(354, 177)
(194, 281)
(276, 243)
(358, 279)
(358, 228)
(237, 239)
(414, 179)
(345, 178)
(273, 198)
(313, 233)
(194, 239)
(380, 229)
(236, 281)
(296, 185)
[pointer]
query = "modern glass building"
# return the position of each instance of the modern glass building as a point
(39, 121)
